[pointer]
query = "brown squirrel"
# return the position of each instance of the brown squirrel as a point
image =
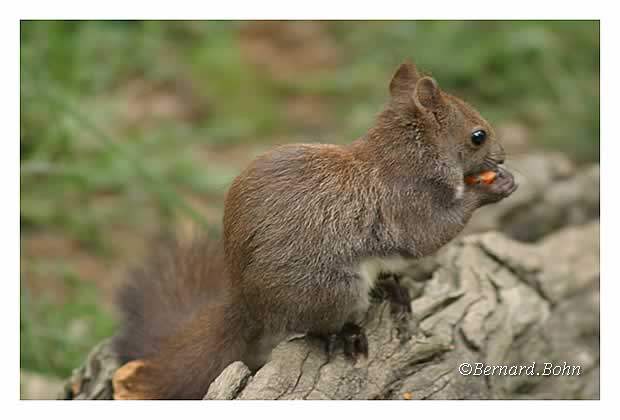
(308, 230)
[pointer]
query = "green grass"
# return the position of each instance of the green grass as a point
(55, 337)
(78, 147)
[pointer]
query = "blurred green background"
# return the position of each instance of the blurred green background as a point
(130, 127)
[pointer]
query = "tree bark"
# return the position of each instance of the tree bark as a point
(483, 299)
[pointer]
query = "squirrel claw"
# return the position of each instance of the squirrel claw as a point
(505, 184)
(398, 295)
(355, 341)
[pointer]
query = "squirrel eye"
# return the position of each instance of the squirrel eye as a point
(478, 137)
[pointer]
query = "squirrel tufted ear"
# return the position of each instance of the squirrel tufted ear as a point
(427, 94)
(404, 80)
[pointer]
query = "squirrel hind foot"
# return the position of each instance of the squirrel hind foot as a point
(351, 338)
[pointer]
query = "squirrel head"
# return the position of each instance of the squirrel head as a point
(420, 113)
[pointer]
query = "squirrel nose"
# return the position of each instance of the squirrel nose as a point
(499, 153)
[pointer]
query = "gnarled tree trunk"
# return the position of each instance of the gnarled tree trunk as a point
(485, 299)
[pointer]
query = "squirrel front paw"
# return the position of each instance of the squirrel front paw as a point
(389, 288)
(503, 186)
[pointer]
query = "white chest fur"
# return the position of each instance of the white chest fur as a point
(460, 192)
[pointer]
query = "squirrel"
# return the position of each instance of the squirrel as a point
(308, 232)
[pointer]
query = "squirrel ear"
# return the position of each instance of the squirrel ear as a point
(404, 80)
(427, 94)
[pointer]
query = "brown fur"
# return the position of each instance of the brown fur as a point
(178, 313)
(297, 224)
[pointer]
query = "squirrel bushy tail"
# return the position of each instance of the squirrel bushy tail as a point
(178, 319)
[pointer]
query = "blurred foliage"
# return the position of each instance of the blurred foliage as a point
(54, 336)
(134, 111)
